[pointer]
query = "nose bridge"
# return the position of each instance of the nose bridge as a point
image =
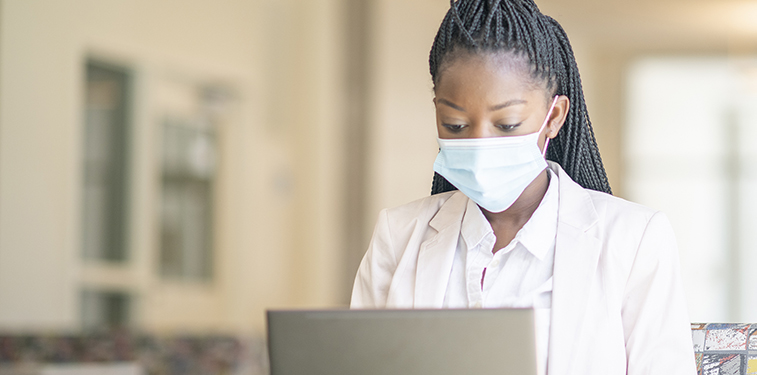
(482, 128)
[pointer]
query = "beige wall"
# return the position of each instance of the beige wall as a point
(403, 128)
(280, 212)
(278, 205)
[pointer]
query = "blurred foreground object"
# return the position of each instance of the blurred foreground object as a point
(725, 348)
(120, 352)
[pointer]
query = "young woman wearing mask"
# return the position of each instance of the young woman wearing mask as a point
(504, 227)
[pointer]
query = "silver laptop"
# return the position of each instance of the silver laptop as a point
(396, 342)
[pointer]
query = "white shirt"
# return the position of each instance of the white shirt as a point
(518, 275)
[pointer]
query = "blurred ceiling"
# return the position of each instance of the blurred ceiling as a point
(659, 24)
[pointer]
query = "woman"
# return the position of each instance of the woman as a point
(601, 273)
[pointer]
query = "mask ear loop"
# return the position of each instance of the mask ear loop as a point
(546, 120)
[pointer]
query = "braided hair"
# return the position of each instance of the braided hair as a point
(518, 27)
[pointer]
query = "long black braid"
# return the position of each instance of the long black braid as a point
(519, 28)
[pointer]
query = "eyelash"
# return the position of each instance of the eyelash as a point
(454, 128)
(508, 127)
(457, 128)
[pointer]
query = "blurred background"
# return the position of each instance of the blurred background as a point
(177, 167)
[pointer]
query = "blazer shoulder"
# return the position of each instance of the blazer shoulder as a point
(611, 207)
(582, 207)
(628, 223)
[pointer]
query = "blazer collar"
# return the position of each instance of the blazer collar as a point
(577, 253)
(577, 210)
(450, 213)
(437, 254)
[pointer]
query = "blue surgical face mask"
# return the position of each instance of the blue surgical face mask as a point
(493, 172)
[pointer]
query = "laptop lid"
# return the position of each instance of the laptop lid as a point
(393, 342)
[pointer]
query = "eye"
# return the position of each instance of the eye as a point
(508, 128)
(453, 128)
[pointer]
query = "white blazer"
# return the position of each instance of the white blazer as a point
(617, 305)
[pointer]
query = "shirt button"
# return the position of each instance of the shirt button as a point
(495, 263)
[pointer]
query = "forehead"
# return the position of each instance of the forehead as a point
(486, 77)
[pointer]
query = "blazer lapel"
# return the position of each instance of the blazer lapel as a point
(576, 259)
(437, 254)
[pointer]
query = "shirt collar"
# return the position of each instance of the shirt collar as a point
(537, 235)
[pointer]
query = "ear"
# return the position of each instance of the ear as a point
(558, 116)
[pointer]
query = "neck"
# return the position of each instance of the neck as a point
(519, 213)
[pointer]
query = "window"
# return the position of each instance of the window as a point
(105, 162)
(187, 204)
(105, 310)
(688, 145)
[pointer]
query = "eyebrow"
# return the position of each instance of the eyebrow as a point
(507, 104)
(452, 105)
(493, 108)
